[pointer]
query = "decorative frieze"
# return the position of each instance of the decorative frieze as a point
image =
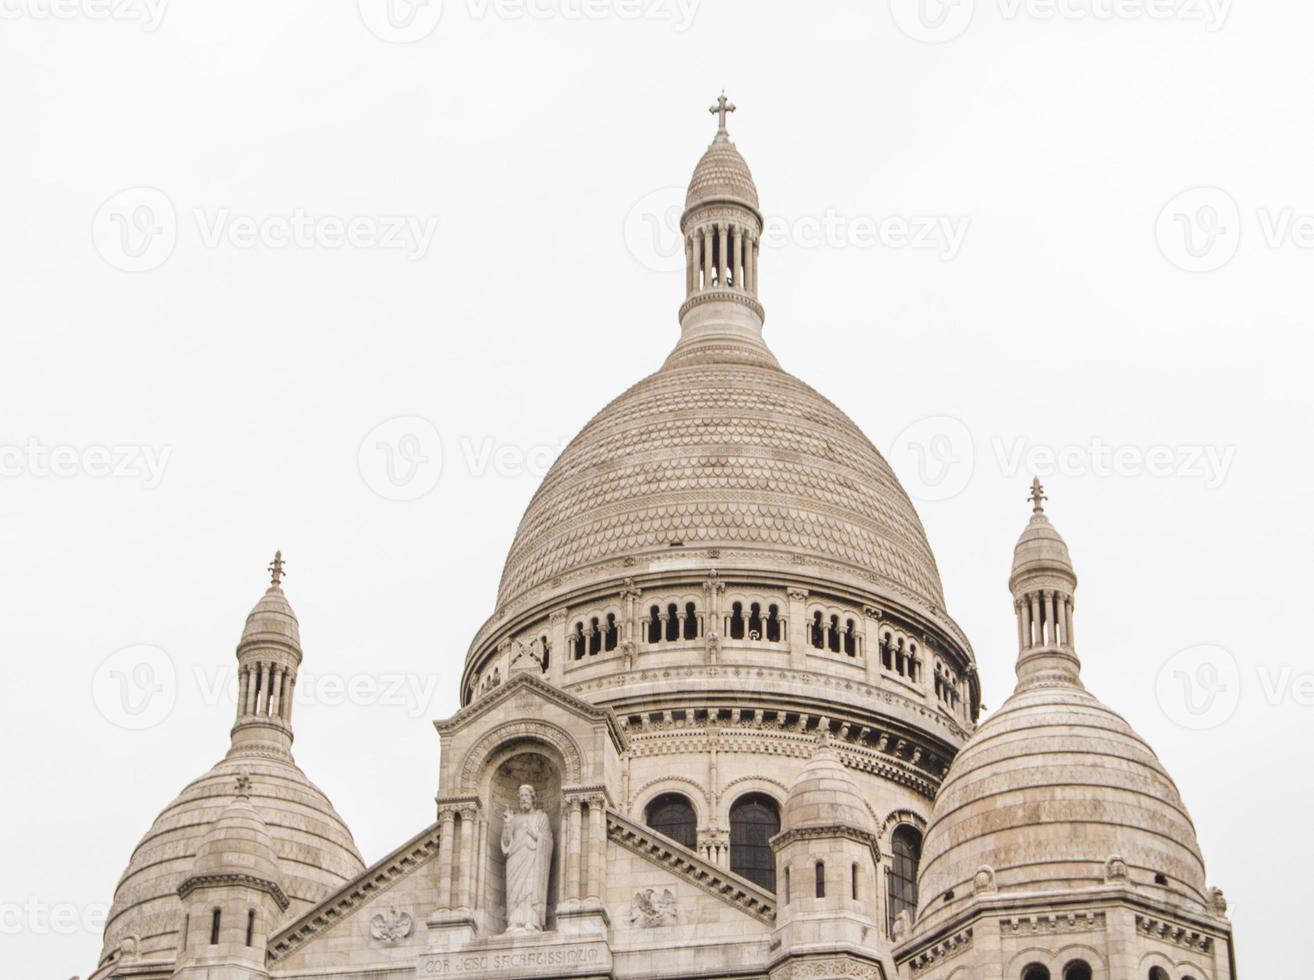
(1172, 932)
(946, 949)
(1051, 923)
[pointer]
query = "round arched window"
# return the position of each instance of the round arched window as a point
(905, 856)
(672, 815)
(754, 820)
(1036, 971)
(1077, 970)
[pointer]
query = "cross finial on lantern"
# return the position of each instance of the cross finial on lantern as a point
(723, 105)
(1037, 497)
(276, 572)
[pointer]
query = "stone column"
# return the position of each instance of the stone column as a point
(262, 690)
(750, 274)
(447, 818)
(1037, 626)
(739, 259)
(571, 853)
(597, 855)
(1067, 622)
(798, 628)
(243, 689)
(466, 868)
(705, 234)
(722, 254)
(275, 691)
(1052, 598)
(690, 264)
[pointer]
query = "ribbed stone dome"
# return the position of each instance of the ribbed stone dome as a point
(726, 453)
(824, 794)
(721, 175)
(316, 853)
(1051, 787)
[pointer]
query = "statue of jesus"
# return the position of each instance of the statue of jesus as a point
(527, 846)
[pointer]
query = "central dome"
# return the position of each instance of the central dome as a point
(721, 454)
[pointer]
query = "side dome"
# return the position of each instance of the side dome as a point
(1049, 789)
(737, 456)
(824, 794)
(1055, 792)
(314, 850)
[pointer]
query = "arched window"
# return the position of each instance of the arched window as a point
(1077, 970)
(1035, 972)
(786, 885)
(737, 621)
(817, 632)
(214, 927)
(595, 636)
(612, 636)
(654, 625)
(250, 926)
(855, 881)
(821, 879)
(580, 641)
(755, 621)
(672, 623)
(672, 815)
(545, 648)
(850, 638)
(773, 624)
(754, 820)
(1158, 973)
(905, 855)
(690, 621)
(833, 635)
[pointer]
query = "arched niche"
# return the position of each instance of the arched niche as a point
(540, 765)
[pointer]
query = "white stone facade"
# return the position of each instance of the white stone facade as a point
(721, 658)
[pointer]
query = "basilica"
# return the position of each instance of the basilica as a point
(719, 724)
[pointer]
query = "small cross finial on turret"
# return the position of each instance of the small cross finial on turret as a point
(243, 786)
(276, 572)
(1037, 497)
(723, 105)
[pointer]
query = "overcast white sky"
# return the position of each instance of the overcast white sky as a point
(1071, 229)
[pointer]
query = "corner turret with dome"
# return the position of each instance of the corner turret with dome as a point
(1056, 811)
(720, 723)
(315, 851)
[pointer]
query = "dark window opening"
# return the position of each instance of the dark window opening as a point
(821, 879)
(250, 926)
(1077, 970)
(214, 928)
(672, 815)
(1035, 972)
(905, 855)
(754, 820)
(737, 621)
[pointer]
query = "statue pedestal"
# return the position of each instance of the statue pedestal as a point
(450, 929)
(521, 955)
(582, 917)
